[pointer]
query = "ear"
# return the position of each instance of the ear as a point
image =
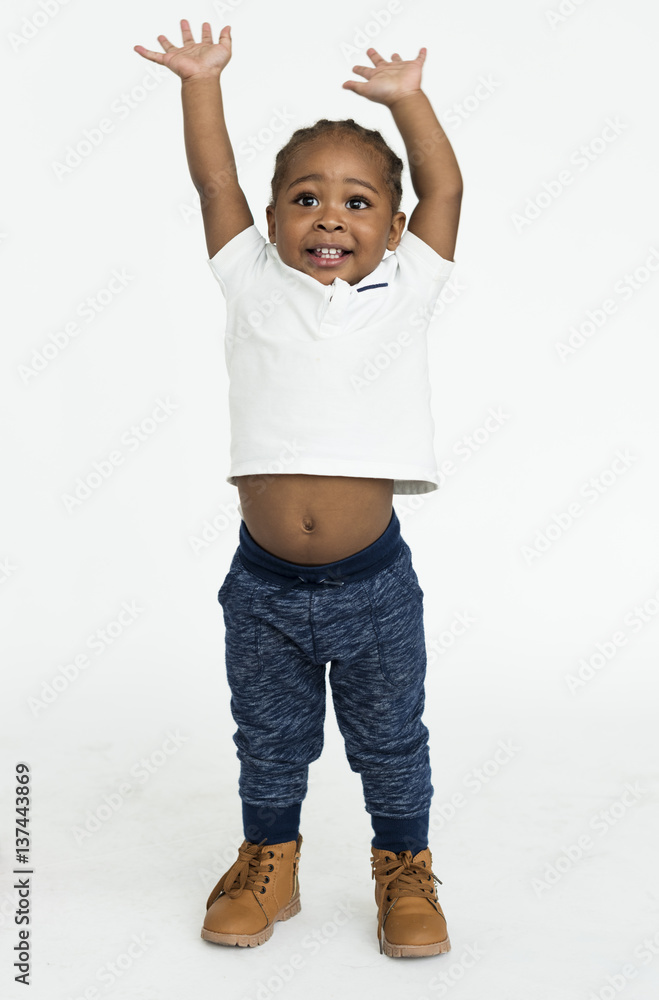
(270, 218)
(396, 231)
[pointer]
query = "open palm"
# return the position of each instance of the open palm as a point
(388, 80)
(193, 58)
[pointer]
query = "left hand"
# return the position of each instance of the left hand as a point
(389, 81)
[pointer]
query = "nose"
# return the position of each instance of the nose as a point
(330, 221)
(330, 226)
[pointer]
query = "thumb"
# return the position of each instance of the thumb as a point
(359, 88)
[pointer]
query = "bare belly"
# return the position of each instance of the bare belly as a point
(311, 520)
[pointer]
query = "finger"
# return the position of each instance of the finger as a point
(225, 33)
(396, 58)
(422, 55)
(148, 54)
(206, 33)
(365, 71)
(354, 85)
(186, 33)
(375, 56)
(165, 42)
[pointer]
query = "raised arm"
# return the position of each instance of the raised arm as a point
(212, 165)
(435, 173)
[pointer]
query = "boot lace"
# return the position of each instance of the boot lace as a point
(249, 872)
(399, 876)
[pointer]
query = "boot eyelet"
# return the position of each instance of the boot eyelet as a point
(388, 899)
(262, 889)
(271, 854)
(271, 868)
(266, 878)
(387, 859)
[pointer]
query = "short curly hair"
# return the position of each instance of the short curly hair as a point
(366, 138)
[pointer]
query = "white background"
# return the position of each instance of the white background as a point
(531, 265)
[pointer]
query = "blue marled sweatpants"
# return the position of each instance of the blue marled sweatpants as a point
(284, 623)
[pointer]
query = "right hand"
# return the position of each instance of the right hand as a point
(194, 58)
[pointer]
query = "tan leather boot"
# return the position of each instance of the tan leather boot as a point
(259, 889)
(410, 920)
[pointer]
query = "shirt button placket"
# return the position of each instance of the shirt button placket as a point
(337, 305)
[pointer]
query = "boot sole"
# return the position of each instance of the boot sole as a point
(414, 950)
(252, 940)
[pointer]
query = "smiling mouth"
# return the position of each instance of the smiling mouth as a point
(329, 259)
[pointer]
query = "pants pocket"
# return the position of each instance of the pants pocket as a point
(403, 572)
(241, 626)
(397, 601)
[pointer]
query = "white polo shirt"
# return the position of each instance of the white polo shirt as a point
(330, 380)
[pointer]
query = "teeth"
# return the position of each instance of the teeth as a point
(328, 252)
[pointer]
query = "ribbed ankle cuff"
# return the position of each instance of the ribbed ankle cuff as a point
(401, 833)
(276, 825)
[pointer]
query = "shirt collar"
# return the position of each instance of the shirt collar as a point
(380, 275)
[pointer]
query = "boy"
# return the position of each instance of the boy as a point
(326, 352)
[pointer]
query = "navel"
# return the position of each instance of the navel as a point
(307, 524)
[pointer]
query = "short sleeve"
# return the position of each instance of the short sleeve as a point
(419, 263)
(240, 261)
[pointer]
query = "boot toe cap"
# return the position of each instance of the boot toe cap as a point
(241, 915)
(409, 923)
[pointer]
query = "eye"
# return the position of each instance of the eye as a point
(305, 196)
(356, 203)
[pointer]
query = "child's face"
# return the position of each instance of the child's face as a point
(353, 214)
